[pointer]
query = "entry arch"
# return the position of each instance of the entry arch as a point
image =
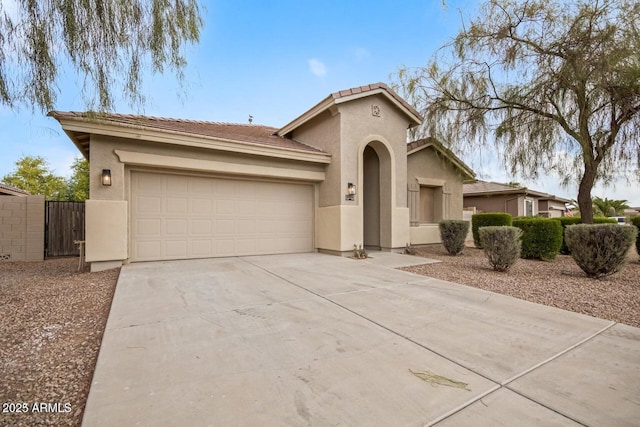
(377, 188)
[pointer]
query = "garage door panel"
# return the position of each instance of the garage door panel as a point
(175, 217)
(201, 227)
(176, 248)
(149, 204)
(176, 184)
(201, 206)
(176, 227)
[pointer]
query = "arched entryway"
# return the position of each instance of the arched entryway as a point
(376, 196)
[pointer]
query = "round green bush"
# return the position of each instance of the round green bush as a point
(635, 220)
(487, 219)
(571, 220)
(453, 234)
(600, 249)
(501, 245)
(541, 237)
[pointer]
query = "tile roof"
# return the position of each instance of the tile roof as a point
(10, 190)
(372, 87)
(487, 188)
(251, 133)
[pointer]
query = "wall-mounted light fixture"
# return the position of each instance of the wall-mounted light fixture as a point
(351, 191)
(106, 177)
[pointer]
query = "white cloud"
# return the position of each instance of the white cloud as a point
(317, 67)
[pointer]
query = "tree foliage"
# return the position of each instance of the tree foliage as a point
(109, 43)
(608, 207)
(554, 84)
(78, 184)
(33, 175)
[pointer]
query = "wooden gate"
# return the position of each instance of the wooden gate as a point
(63, 224)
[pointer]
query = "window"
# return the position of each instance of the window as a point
(528, 207)
(430, 204)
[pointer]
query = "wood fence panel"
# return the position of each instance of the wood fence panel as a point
(64, 224)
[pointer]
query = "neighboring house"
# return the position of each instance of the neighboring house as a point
(9, 190)
(633, 211)
(513, 199)
(335, 176)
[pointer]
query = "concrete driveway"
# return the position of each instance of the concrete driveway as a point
(313, 339)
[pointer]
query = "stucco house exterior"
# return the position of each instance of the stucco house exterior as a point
(339, 174)
(484, 196)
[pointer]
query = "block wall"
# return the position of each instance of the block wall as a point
(21, 228)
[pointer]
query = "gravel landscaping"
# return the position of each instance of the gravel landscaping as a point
(51, 325)
(558, 283)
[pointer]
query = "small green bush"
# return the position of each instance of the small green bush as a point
(487, 219)
(600, 249)
(571, 220)
(636, 221)
(453, 234)
(501, 245)
(541, 237)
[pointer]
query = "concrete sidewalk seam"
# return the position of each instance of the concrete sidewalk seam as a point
(552, 358)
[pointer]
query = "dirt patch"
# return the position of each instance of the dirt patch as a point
(51, 325)
(558, 283)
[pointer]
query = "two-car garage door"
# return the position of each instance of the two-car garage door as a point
(179, 217)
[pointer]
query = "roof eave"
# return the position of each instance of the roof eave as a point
(73, 126)
(331, 100)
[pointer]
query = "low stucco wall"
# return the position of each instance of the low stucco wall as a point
(105, 231)
(21, 228)
(425, 234)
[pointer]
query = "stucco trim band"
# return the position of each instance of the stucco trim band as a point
(183, 163)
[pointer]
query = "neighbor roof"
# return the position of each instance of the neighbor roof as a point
(487, 188)
(349, 95)
(76, 126)
(10, 190)
(421, 144)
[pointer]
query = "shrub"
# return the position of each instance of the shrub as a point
(571, 220)
(487, 219)
(541, 237)
(501, 245)
(636, 221)
(453, 234)
(600, 249)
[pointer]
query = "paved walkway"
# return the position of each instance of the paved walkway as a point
(319, 340)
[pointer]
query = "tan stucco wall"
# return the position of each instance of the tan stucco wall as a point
(344, 131)
(21, 228)
(509, 203)
(359, 127)
(427, 166)
(428, 163)
(323, 132)
(106, 223)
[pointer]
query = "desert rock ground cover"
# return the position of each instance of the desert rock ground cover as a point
(51, 323)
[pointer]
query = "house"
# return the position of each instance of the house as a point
(484, 196)
(9, 190)
(336, 176)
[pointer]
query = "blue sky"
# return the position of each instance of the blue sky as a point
(274, 60)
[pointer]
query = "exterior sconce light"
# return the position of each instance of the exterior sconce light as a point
(106, 177)
(351, 191)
